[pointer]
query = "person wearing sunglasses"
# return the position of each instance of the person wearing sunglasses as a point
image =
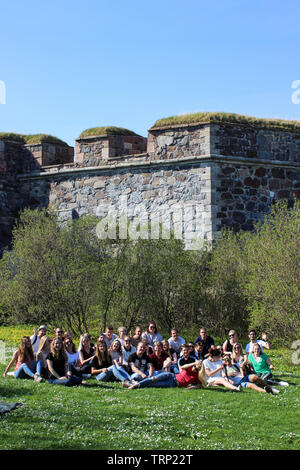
(152, 335)
(228, 344)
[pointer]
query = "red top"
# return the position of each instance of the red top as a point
(187, 377)
(158, 362)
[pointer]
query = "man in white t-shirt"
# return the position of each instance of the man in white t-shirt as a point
(264, 343)
(109, 336)
(176, 341)
(35, 339)
(127, 349)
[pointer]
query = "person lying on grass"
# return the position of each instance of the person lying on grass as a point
(26, 366)
(191, 376)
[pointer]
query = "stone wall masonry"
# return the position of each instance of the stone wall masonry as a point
(178, 142)
(255, 143)
(51, 153)
(174, 193)
(94, 151)
(13, 161)
(242, 194)
(198, 178)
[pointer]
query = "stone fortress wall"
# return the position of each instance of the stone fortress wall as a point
(197, 178)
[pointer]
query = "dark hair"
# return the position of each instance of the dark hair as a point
(253, 331)
(72, 344)
(214, 352)
(106, 356)
(151, 323)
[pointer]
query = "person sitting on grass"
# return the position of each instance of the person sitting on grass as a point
(214, 371)
(191, 376)
(42, 354)
(115, 352)
(26, 365)
(263, 366)
(159, 359)
(175, 341)
(171, 365)
(109, 336)
(36, 337)
(229, 343)
(263, 342)
(137, 337)
(139, 364)
(71, 352)
(151, 334)
(86, 352)
(186, 357)
(127, 350)
(73, 360)
(57, 363)
(207, 341)
(234, 374)
(199, 350)
(121, 334)
(102, 365)
(148, 348)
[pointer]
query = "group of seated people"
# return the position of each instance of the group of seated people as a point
(144, 359)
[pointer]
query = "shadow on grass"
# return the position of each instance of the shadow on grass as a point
(6, 391)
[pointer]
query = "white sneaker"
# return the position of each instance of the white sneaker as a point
(283, 384)
(274, 390)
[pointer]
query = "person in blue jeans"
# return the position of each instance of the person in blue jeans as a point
(140, 366)
(26, 365)
(102, 366)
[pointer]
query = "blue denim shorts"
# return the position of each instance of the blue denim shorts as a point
(244, 382)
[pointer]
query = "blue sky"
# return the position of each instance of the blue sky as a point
(69, 65)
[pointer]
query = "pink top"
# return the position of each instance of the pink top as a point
(19, 363)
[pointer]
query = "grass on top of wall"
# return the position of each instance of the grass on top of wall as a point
(31, 139)
(39, 138)
(105, 131)
(216, 117)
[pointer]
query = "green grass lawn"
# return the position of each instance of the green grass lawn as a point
(105, 416)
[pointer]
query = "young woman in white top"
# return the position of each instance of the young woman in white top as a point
(115, 352)
(72, 353)
(42, 354)
(214, 371)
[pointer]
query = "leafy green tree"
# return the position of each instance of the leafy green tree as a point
(225, 305)
(52, 274)
(273, 281)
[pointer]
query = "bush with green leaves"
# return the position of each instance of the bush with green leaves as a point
(273, 280)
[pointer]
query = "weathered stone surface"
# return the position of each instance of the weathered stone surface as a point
(228, 174)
